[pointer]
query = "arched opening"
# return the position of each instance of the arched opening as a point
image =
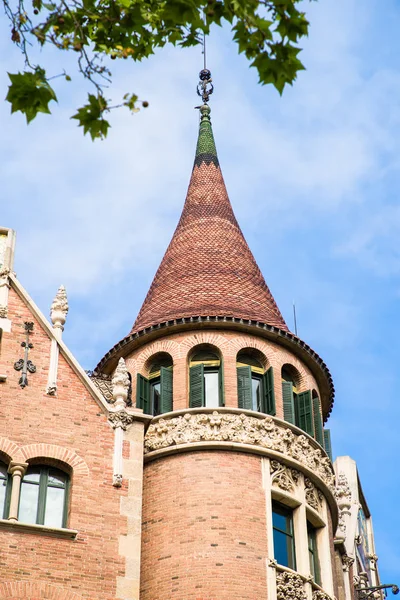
(205, 377)
(5, 490)
(255, 383)
(44, 496)
(154, 393)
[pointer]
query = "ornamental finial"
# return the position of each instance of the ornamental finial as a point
(59, 308)
(205, 87)
(120, 383)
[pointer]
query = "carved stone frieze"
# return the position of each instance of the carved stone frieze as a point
(3, 312)
(290, 585)
(313, 494)
(320, 595)
(242, 429)
(284, 477)
(121, 419)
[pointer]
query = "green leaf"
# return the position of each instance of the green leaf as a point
(30, 93)
(90, 117)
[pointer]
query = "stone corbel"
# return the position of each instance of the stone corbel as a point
(119, 418)
(58, 315)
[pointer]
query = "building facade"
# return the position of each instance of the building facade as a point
(193, 463)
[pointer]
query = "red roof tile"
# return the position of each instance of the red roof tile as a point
(208, 268)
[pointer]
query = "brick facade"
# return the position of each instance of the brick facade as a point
(71, 432)
(204, 528)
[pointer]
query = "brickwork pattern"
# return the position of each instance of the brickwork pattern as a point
(208, 268)
(68, 430)
(204, 528)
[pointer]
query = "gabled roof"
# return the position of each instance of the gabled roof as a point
(208, 268)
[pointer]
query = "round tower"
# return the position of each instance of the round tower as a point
(238, 496)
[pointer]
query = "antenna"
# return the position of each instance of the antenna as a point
(295, 319)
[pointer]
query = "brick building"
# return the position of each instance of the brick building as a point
(193, 462)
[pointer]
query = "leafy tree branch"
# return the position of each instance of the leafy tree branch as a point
(267, 32)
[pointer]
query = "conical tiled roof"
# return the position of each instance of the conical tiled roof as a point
(208, 268)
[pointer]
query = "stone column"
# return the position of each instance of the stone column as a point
(17, 471)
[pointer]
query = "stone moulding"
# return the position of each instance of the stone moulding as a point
(257, 433)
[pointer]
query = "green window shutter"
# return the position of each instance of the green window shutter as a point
(304, 413)
(318, 422)
(244, 388)
(143, 393)
(166, 389)
(221, 383)
(288, 402)
(269, 394)
(327, 442)
(196, 386)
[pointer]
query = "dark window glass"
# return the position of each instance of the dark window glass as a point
(282, 521)
(5, 490)
(313, 554)
(43, 498)
(155, 396)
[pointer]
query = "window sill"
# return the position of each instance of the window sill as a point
(18, 527)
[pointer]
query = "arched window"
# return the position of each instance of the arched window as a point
(44, 497)
(5, 491)
(154, 393)
(205, 379)
(255, 384)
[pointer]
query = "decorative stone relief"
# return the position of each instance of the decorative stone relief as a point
(343, 499)
(320, 595)
(242, 429)
(59, 309)
(290, 585)
(373, 559)
(120, 383)
(103, 383)
(117, 479)
(313, 494)
(3, 312)
(284, 477)
(4, 272)
(347, 562)
(120, 419)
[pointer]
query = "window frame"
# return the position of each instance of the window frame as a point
(197, 391)
(288, 513)
(43, 485)
(313, 555)
(7, 495)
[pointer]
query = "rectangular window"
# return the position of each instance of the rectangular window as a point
(313, 553)
(282, 522)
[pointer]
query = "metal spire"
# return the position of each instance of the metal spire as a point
(205, 87)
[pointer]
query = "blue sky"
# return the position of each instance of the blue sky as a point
(313, 178)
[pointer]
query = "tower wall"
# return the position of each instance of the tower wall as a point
(204, 527)
(228, 343)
